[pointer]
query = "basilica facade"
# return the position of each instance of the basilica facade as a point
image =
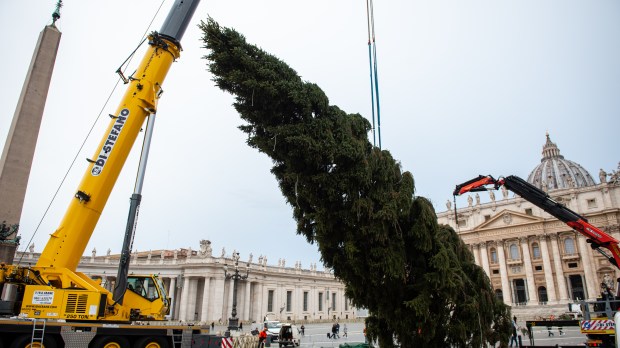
(532, 258)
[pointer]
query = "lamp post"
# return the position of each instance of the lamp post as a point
(233, 321)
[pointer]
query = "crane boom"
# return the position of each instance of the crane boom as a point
(67, 244)
(595, 236)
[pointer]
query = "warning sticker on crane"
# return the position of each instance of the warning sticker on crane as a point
(603, 326)
(41, 297)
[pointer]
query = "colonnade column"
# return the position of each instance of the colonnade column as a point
(246, 303)
(260, 310)
(192, 305)
(206, 301)
(529, 272)
(171, 289)
(218, 298)
(503, 272)
(589, 271)
(547, 268)
(184, 299)
(559, 271)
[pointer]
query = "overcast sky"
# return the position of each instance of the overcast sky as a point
(466, 87)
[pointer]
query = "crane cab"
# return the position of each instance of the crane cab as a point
(147, 297)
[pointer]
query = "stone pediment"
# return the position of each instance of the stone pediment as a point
(507, 218)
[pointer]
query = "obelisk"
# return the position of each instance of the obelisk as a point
(21, 141)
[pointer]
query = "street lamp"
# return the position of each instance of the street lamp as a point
(233, 321)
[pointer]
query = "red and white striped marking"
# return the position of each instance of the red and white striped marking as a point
(227, 342)
(597, 325)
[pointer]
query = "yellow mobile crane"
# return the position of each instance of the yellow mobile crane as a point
(53, 289)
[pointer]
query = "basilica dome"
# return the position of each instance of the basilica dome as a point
(554, 172)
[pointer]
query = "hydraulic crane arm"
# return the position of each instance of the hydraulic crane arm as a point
(596, 237)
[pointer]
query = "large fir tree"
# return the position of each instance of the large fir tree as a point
(417, 278)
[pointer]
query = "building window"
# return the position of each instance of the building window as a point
(333, 301)
(569, 246)
(320, 301)
(591, 203)
(487, 218)
(346, 304)
(536, 250)
(496, 271)
(538, 268)
(462, 223)
(493, 255)
(542, 294)
(270, 301)
(573, 265)
(528, 211)
(499, 294)
(514, 252)
(289, 300)
(305, 301)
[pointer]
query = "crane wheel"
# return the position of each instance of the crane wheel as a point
(25, 341)
(151, 342)
(110, 342)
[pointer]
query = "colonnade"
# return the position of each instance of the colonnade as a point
(200, 292)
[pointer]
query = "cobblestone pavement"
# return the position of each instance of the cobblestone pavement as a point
(316, 335)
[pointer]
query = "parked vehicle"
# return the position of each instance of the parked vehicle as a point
(289, 336)
(273, 329)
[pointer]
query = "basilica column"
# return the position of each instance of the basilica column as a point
(529, 271)
(548, 271)
(559, 271)
(171, 290)
(484, 255)
(184, 299)
(589, 271)
(206, 301)
(475, 251)
(503, 272)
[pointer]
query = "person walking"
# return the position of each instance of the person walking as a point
(513, 337)
(344, 330)
(240, 326)
(549, 328)
(262, 337)
(303, 330)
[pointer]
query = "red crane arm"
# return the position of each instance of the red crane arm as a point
(596, 237)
